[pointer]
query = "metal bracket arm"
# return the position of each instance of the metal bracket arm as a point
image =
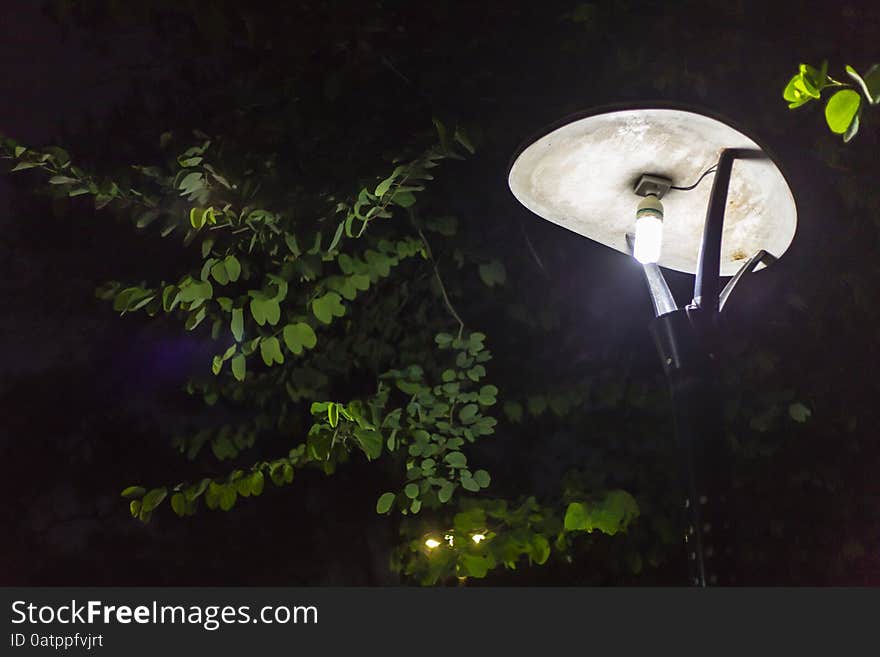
(708, 279)
(749, 265)
(661, 297)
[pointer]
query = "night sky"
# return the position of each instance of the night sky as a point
(88, 400)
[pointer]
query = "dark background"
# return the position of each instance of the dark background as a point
(89, 399)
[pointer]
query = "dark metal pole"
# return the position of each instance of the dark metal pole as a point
(692, 374)
(686, 340)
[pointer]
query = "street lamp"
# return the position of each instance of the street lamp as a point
(629, 178)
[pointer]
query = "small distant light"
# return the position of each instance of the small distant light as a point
(432, 543)
(478, 537)
(449, 538)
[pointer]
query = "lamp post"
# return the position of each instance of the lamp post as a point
(618, 176)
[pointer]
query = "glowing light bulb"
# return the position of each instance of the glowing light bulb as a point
(432, 543)
(478, 537)
(649, 230)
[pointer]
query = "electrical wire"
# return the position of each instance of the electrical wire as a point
(705, 173)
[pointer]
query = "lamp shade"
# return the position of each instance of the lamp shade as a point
(581, 175)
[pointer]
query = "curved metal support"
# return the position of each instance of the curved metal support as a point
(661, 297)
(708, 280)
(748, 267)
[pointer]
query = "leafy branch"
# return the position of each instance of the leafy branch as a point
(843, 109)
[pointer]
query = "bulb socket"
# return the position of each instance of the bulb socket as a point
(650, 206)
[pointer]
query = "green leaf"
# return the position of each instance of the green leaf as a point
(470, 521)
(336, 237)
(61, 180)
(328, 306)
(411, 491)
(456, 459)
(493, 273)
(445, 225)
(793, 93)
(809, 82)
(223, 448)
(403, 199)
(333, 414)
(257, 483)
(487, 395)
(133, 491)
(233, 267)
(379, 263)
(237, 324)
(147, 218)
(317, 408)
(153, 499)
(461, 137)
(197, 217)
(536, 405)
(370, 441)
(239, 368)
(469, 483)
(192, 185)
(513, 411)
(204, 274)
(610, 515)
(853, 128)
(178, 504)
(346, 263)
(218, 271)
(445, 492)
(799, 412)
(243, 486)
(869, 84)
(102, 200)
(468, 413)
(482, 478)
(384, 186)
(186, 162)
(383, 505)
(270, 350)
(540, 551)
(298, 336)
(360, 281)
(290, 240)
(872, 83)
(575, 517)
(207, 245)
(228, 496)
(272, 310)
(196, 291)
(841, 110)
(259, 310)
(170, 298)
(471, 565)
(616, 511)
(344, 286)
